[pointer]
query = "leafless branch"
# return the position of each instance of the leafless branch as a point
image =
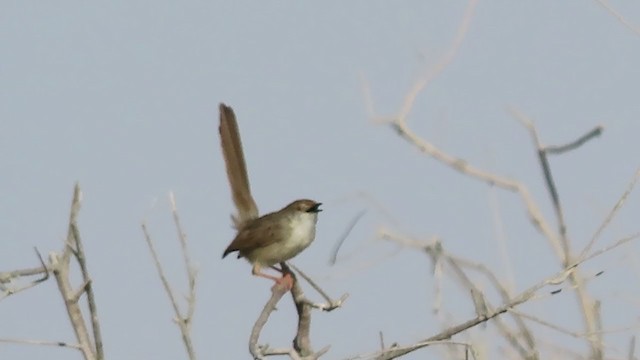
(588, 306)
(330, 304)
(88, 288)
(59, 265)
(41, 343)
(559, 149)
(8, 276)
(540, 223)
(432, 72)
(336, 248)
(450, 332)
(259, 352)
(183, 321)
(513, 302)
(302, 342)
(397, 351)
(551, 186)
(558, 239)
(612, 213)
(524, 343)
(605, 4)
(191, 269)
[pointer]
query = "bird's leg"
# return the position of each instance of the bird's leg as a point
(256, 272)
(287, 275)
(286, 280)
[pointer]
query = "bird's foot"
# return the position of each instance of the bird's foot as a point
(286, 281)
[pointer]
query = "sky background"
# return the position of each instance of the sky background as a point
(122, 96)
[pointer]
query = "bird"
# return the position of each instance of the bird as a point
(267, 240)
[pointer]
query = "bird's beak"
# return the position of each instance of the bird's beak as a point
(315, 208)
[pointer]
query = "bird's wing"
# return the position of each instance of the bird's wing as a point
(259, 233)
(236, 167)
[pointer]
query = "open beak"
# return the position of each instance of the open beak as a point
(315, 208)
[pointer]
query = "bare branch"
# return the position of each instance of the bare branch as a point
(259, 352)
(302, 342)
(612, 213)
(593, 133)
(8, 276)
(73, 216)
(88, 288)
(439, 256)
(460, 165)
(551, 186)
(397, 351)
(587, 305)
(446, 59)
(618, 16)
(336, 248)
(41, 343)
(191, 269)
(523, 297)
(180, 320)
(450, 332)
(331, 304)
(59, 265)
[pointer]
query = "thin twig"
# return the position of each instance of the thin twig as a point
(41, 343)
(73, 216)
(521, 298)
(6, 277)
(619, 17)
(398, 351)
(612, 213)
(444, 62)
(88, 288)
(551, 186)
(439, 256)
(331, 304)
(191, 271)
(345, 234)
(460, 165)
(587, 305)
(186, 339)
(593, 133)
(611, 246)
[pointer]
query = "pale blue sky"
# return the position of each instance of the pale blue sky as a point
(122, 96)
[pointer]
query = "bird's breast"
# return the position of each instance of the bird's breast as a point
(303, 230)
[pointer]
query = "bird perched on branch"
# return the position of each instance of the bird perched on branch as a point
(272, 238)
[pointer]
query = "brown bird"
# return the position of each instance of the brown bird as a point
(272, 238)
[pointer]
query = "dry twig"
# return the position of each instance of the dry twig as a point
(184, 321)
(605, 4)
(59, 265)
(8, 277)
(302, 342)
